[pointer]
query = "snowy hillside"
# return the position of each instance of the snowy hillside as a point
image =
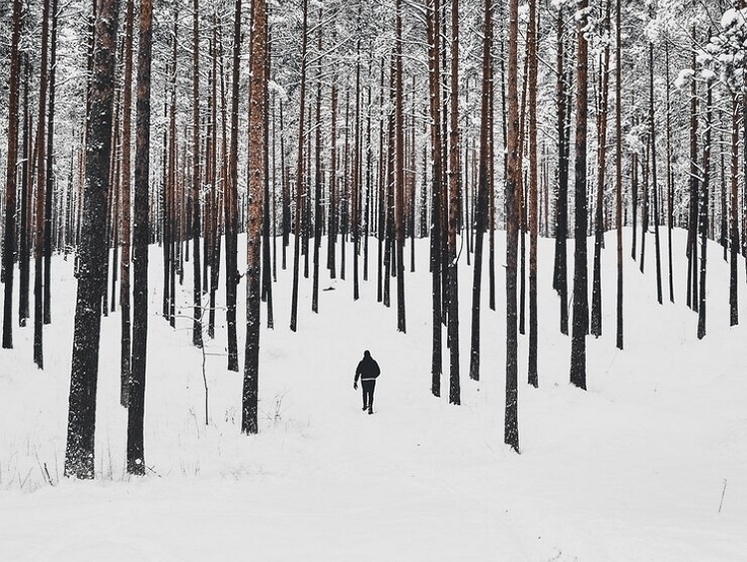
(649, 465)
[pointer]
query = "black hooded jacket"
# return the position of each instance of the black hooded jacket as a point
(368, 368)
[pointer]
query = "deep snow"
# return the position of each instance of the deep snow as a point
(632, 470)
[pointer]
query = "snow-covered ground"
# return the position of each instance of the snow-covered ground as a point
(649, 465)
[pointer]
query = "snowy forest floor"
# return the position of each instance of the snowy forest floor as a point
(650, 464)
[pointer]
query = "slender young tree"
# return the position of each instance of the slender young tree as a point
(231, 199)
(533, 180)
(453, 214)
(481, 210)
(196, 264)
(9, 238)
(560, 277)
(654, 182)
(124, 287)
(49, 189)
(704, 207)
(603, 97)
(41, 173)
(513, 181)
(580, 275)
(299, 173)
(257, 149)
(79, 454)
(433, 11)
(618, 173)
(136, 409)
(399, 168)
(734, 213)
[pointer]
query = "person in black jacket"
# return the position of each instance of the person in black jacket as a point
(368, 370)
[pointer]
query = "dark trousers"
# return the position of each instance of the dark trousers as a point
(368, 394)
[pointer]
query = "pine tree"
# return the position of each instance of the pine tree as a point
(136, 409)
(79, 454)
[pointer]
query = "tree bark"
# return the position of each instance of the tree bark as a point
(79, 454)
(136, 409)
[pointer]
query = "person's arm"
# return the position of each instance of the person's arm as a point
(357, 374)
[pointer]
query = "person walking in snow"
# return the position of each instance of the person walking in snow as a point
(368, 370)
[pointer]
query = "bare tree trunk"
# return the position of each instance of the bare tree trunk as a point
(734, 216)
(513, 183)
(618, 173)
(196, 264)
(79, 454)
(136, 409)
(580, 289)
(560, 277)
(703, 211)
(596, 297)
(453, 215)
(231, 199)
(433, 10)
(481, 210)
(9, 235)
(399, 169)
(299, 173)
(124, 287)
(40, 192)
(533, 180)
(257, 151)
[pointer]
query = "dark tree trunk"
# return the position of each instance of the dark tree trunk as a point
(734, 214)
(41, 174)
(453, 214)
(231, 199)
(399, 170)
(434, 85)
(560, 277)
(513, 183)
(136, 409)
(50, 185)
(703, 211)
(618, 174)
(533, 378)
(9, 235)
(257, 151)
(124, 287)
(196, 263)
(481, 209)
(654, 182)
(580, 290)
(79, 454)
(299, 173)
(596, 296)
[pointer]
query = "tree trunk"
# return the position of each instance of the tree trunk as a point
(196, 264)
(9, 235)
(299, 173)
(433, 11)
(41, 172)
(580, 290)
(703, 214)
(124, 287)
(231, 199)
(257, 151)
(399, 169)
(79, 454)
(453, 216)
(560, 277)
(618, 173)
(533, 179)
(481, 209)
(596, 297)
(136, 409)
(513, 182)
